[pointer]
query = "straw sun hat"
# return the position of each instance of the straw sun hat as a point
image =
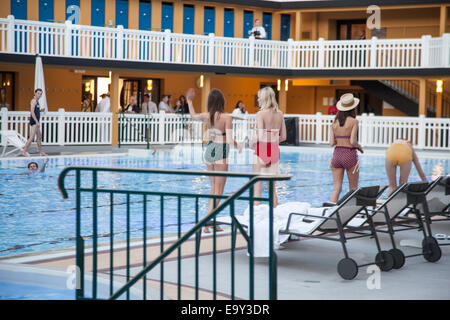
(347, 102)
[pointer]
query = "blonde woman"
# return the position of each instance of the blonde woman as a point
(270, 131)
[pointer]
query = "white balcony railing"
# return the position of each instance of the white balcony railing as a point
(79, 41)
(91, 128)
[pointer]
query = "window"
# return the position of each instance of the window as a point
(188, 19)
(19, 9)
(122, 13)
(145, 15)
(209, 20)
(70, 3)
(228, 21)
(167, 16)
(98, 13)
(267, 24)
(248, 23)
(285, 27)
(46, 10)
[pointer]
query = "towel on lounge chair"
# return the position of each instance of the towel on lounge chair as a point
(280, 218)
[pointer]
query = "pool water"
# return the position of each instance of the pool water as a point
(35, 217)
(18, 291)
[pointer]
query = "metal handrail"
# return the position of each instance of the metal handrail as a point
(229, 201)
(195, 229)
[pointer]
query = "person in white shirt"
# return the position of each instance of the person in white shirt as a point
(148, 106)
(239, 110)
(258, 30)
(104, 105)
(164, 105)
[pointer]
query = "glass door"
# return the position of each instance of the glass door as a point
(7, 90)
(351, 29)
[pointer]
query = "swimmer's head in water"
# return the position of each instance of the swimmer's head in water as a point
(33, 166)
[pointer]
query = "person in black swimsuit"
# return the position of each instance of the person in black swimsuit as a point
(35, 125)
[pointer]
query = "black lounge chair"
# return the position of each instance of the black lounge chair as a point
(406, 209)
(335, 220)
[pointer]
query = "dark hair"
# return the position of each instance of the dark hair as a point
(147, 95)
(184, 98)
(216, 103)
(237, 104)
(29, 165)
(38, 89)
(341, 116)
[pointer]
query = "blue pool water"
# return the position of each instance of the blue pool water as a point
(35, 217)
(18, 291)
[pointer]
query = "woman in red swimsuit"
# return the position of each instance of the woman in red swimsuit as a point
(344, 135)
(270, 131)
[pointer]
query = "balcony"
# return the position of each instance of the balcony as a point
(25, 37)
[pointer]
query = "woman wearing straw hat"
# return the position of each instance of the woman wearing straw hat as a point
(344, 135)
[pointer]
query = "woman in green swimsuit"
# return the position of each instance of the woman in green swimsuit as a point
(220, 128)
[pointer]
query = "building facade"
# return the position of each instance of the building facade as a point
(299, 92)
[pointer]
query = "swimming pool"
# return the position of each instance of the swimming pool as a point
(34, 217)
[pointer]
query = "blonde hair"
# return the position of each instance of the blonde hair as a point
(267, 99)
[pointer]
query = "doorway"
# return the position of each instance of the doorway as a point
(139, 87)
(351, 29)
(7, 90)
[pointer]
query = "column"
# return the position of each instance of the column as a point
(423, 97)
(314, 34)
(110, 12)
(178, 17)
(276, 26)
(199, 18)
(298, 29)
(59, 11)
(282, 96)
(439, 102)
(238, 22)
(85, 12)
(219, 23)
(133, 14)
(115, 97)
(32, 10)
(443, 20)
(205, 92)
(5, 9)
(156, 14)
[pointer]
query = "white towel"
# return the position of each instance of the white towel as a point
(280, 218)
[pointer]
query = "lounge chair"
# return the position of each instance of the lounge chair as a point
(406, 209)
(14, 139)
(334, 220)
(438, 199)
(334, 225)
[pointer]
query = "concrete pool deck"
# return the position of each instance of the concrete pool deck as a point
(306, 269)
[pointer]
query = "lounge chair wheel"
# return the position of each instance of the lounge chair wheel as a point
(347, 268)
(431, 250)
(399, 258)
(384, 260)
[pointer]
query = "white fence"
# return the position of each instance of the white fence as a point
(62, 128)
(79, 41)
(78, 128)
